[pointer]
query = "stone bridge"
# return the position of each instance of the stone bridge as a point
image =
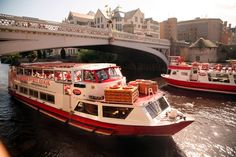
(19, 34)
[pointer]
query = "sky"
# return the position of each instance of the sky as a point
(159, 10)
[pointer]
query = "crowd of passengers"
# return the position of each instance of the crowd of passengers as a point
(86, 75)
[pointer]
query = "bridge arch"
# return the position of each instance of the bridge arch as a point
(19, 34)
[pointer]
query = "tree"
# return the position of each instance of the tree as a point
(14, 59)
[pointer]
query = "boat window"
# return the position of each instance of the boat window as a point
(87, 108)
(169, 72)
(66, 76)
(163, 104)
(174, 72)
(49, 74)
(102, 75)
(194, 71)
(50, 98)
(153, 108)
(19, 71)
(16, 86)
(43, 96)
(114, 72)
(47, 97)
(58, 75)
(28, 72)
(24, 90)
(218, 77)
(33, 93)
(78, 75)
(116, 112)
(37, 73)
(89, 75)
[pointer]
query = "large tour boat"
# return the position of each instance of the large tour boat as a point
(201, 76)
(96, 98)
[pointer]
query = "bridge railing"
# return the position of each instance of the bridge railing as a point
(33, 23)
(138, 38)
(66, 28)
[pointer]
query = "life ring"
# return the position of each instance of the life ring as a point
(133, 83)
(195, 64)
(128, 87)
(115, 87)
(76, 91)
(202, 74)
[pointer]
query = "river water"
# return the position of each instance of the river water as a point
(26, 132)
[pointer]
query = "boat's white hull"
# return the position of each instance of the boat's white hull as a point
(200, 86)
(91, 125)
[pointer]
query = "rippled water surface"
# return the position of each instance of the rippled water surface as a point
(26, 132)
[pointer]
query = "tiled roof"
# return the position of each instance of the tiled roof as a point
(130, 14)
(103, 13)
(74, 14)
(203, 43)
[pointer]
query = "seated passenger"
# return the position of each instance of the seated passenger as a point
(89, 76)
(68, 76)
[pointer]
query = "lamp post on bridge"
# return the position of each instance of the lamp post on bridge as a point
(109, 23)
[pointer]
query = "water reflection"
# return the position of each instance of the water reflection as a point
(213, 132)
(26, 132)
(34, 134)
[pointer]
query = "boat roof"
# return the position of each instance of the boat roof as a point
(60, 65)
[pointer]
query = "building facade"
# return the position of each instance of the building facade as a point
(168, 29)
(101, 19)
(118, 19)
(233, 36)
(152, 28)
(202, 51)
(132, 22)
(194, 29)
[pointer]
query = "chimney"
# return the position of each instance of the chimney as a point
(225, 23)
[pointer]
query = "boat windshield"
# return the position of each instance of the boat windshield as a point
(155, 107)
(102, 75)
(114, 72)
(163, 104)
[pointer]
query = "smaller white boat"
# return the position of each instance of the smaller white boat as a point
(201, 76)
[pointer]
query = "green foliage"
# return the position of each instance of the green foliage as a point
(12, 59)
(92, 56)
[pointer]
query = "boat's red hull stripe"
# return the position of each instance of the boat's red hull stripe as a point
(107, 128)
(177, 67)
(200, 85)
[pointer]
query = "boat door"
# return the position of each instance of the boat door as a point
(67, 97)
(194, 74)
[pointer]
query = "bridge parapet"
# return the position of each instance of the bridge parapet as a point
(15, 22)
(37, 25)
(138, 38)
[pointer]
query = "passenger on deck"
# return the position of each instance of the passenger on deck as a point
(89, 76)
(68, 76)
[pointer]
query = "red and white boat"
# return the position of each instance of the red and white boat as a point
(95, 97)
(201, 76)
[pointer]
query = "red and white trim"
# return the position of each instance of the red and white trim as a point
(102, 127)
(195, 85)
